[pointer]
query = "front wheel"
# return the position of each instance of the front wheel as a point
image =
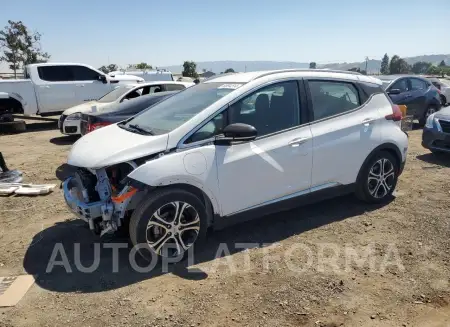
(168, 224)
(429, 111)
(378, 178)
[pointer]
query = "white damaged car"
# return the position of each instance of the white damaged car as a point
(236, 147)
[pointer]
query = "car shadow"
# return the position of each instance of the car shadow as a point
(436, 159)
(64, 171)
(64, 140)
(41, 126)
(57, 255)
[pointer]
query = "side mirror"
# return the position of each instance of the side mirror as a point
(102, 78)
(394, 91)
(236, 133)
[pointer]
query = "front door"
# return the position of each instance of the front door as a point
(89, 87)
(418, 100)
(277, 164)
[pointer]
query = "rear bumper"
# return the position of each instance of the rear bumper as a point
(433, 139)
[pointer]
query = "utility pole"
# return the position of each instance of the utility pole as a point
(367, 61)
(245, 68)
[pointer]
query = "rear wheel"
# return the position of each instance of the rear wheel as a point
(168, 224)
(443, 100)
(378, 178)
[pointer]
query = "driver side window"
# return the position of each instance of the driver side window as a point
(402, 85)
(270, 109)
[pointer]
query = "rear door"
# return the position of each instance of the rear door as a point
(417, 99)
(55, 88)
(344, 131)
(89, 87)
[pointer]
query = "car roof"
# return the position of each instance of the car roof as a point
(323, 73)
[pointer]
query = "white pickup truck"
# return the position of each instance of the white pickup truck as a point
(50, 88)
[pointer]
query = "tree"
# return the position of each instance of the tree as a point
(204, 70)
(229, 70)
(442, 64)
(190, 69)
(109, 68)
(143, 65)
(421, 67)
(399, 66)
(20, 46)
(312, 65)
(385, 65)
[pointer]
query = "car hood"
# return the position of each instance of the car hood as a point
(444, 113)
(86, 107)
(111, 145)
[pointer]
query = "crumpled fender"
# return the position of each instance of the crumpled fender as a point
(196, 167)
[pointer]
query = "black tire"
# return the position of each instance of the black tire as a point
(145, 212)
(365, 183)
(423, 119)
(17, 126)
(443, 100)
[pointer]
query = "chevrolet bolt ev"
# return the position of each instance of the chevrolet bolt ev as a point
(236, 147)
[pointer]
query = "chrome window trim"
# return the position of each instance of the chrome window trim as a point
(182, 145)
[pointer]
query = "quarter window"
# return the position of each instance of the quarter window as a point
(332, 98)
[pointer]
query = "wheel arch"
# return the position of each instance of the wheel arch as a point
(387, 147)
(11, 101)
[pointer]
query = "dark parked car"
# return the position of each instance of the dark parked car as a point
(436, 133)
(122, 111)
(419, 95)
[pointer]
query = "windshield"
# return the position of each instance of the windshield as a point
(115, 93)
(169, 114)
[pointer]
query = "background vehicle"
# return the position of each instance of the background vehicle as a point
(237, 147)
(436, 133)
(49, 88)
(442, 85)
(120, 111)
(69, 121)
(147, 75)
(417, 93)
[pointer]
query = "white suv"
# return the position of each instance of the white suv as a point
(235, 147)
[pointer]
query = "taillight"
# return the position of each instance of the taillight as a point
(396, 114)
(93, 127)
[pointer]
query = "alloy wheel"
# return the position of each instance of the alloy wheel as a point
(173, 229)
(381, 178)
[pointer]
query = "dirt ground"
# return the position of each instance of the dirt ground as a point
(304, 279)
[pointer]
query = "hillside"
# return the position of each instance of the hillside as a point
(241, 66)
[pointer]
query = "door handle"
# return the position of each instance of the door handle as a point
(45, 87)
(297, 141)
(80, 85)
(368, 121)
(408, 96)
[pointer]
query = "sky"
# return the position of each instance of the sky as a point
(168, 32)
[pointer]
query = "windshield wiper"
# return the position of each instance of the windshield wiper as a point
(141, 129)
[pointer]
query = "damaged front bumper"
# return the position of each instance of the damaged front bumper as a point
(103, 216)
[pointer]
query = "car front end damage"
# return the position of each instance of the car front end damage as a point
(102, 197)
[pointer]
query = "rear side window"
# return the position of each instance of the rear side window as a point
(174, 87)
(55, 73)
(81, 73)
(417, 84)
(332, 98)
